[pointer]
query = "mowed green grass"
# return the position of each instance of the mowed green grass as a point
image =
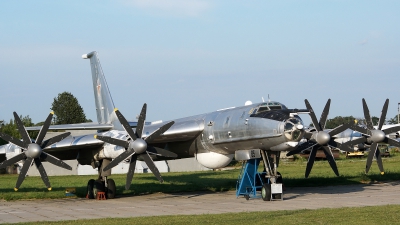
(351, 172)
(387, 214)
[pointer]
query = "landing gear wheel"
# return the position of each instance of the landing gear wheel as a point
(98, 186)
(90, 188)
(247, 197)
(111, 189)
(266, 192)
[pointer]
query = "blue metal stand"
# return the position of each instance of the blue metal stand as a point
(250, 180)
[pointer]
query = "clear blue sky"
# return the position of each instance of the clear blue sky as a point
(186, 57)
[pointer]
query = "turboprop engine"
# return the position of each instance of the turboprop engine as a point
(213, 160)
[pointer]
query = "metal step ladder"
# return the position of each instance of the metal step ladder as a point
(250, 182)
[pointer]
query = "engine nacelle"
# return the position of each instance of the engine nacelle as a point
(213, 160)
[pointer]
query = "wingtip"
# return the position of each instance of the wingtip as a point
(49, 189)
(116, 109)
(52, 112)
(15, 189)
(382, 173)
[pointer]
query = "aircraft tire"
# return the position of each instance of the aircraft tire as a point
(90, 188)
(111, 189)
(266, 192)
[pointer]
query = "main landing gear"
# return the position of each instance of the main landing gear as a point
(102, 184)
(272, 188)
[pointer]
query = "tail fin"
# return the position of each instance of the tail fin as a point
(104, 103)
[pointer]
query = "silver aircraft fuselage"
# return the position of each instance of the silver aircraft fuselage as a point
(225, 131)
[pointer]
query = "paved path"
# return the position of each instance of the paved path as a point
(198, 203)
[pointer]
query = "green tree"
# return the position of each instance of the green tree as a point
(393, 120)
(12, 130)
(339, 120)
(67, 109)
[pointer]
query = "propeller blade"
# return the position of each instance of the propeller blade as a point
(141, 120)
(24, 134)
(307, 135)
(44, 129)
(13, 160)
(383, 114)
(371, 154)
(158, 132)
(391, 130)
(379, 160)
(131, 171)
(23, 172)
(324, 114)
(392, 142)
(360, 129)
(161, 152)
(13, 140)
(152, 166)
(113, 141)
(301, 147)
(331, 160)
(311, 160)
(367, 116)
(125, 124)
(356, 141)
(339, 129)
(312, 115)
(119, 159)
(54, 139)
(343, 147)
(43, 173)
(55, 161)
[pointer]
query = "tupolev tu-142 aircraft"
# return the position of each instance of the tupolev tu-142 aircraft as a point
(212, 138)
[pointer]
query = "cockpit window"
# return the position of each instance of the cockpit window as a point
(268, 106)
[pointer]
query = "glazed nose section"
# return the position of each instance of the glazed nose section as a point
(294, 129)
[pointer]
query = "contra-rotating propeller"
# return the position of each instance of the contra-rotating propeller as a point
(137, 146)
(320, 139)
(374, 136)
(33, 151)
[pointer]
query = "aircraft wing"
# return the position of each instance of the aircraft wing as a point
(76, 126)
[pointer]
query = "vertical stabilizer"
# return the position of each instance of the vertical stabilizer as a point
(104, 103)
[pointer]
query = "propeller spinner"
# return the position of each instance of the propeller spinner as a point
(33, 151)
(137, 146)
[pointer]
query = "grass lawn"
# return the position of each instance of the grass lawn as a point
(351, 172)
(387, 214)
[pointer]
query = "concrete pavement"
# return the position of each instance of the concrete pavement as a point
(198, 203)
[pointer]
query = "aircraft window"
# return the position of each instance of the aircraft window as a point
(263, 109)
(295, 121)
(296, 134)
(288, 126)
(275, 107)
